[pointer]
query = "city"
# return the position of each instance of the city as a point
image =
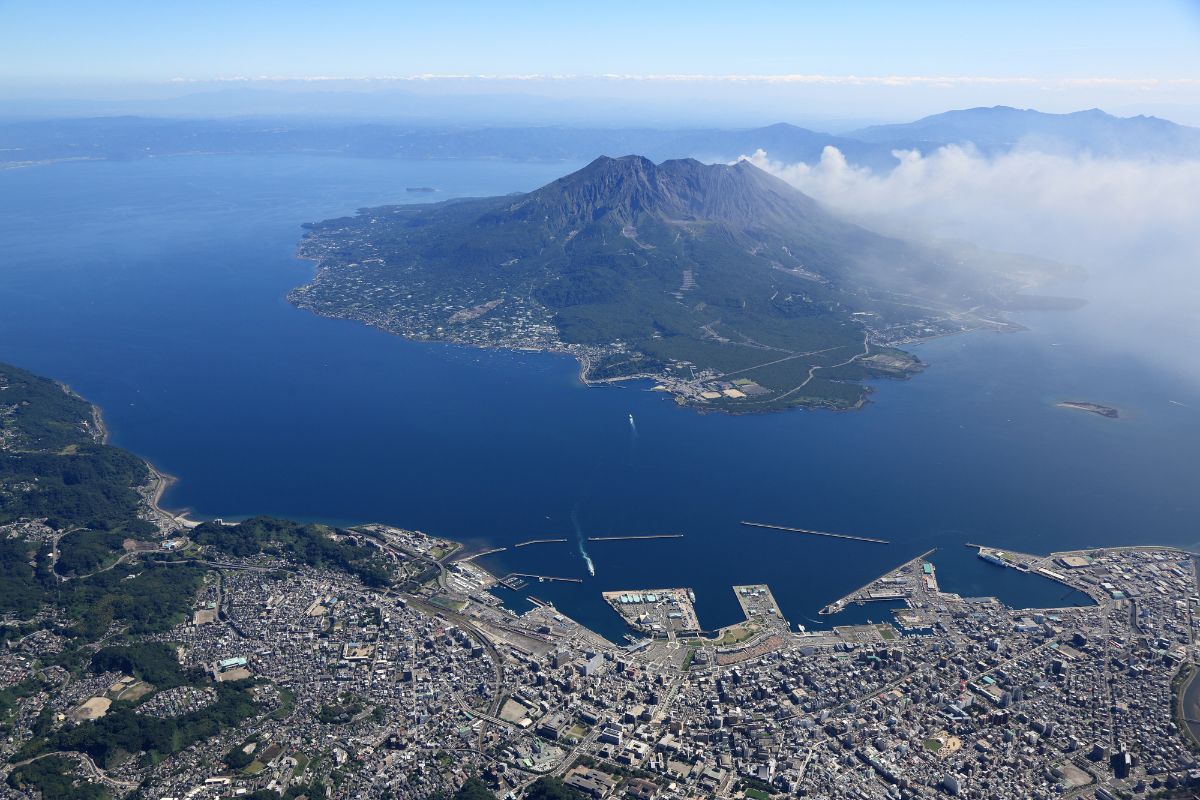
(409, 690)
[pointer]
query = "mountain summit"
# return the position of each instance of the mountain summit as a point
(633, 190)
(726, 285)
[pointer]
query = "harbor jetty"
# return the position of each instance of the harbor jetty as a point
(631, 538)
(482, 553)
(539, 541)
(530, 576)
(816, 533)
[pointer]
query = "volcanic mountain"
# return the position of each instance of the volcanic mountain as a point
(723, 283)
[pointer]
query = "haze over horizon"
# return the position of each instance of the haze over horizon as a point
(665, 64)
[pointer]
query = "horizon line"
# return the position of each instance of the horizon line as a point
(814, 79)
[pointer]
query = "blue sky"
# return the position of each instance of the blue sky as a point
(152, 41)
(1052, 54)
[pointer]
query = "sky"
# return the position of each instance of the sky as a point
(837, 58)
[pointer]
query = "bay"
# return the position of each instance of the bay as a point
(156, 288)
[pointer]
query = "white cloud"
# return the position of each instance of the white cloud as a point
(1132, 224)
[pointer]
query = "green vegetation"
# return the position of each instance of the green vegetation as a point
(55, 778)
(238, 758)
(749, 785)
(91, 487)
(152, 662)
(933, 745)
(53, 467)
(474, 789)
(149, 598)
(41, 416)
(296, 542)
(287, 704)
(21, 591)
(757, 794)
(339, 713)
(735, 634)
(548, 788)
(123, 732)
(10, 696)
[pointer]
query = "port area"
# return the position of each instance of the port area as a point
(1069, 567)
(914, 580)
(758, 604)
(763, 630)
(657, 612)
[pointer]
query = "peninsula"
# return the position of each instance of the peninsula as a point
(727, 287)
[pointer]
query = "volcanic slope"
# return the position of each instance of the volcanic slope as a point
(730, 288)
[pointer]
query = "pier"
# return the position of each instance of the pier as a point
(630, 538)
(539, 541)
(816, 533)
(862, 594)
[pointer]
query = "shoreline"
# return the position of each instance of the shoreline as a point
(162, 481)
(159, 481)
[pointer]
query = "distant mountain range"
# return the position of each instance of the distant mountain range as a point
(727, 286)
(1000, 129)
(991, 130)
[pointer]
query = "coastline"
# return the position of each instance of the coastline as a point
(159, 481)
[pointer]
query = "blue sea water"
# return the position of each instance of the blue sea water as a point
(156, 289)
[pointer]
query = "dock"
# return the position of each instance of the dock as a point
(630, 538)
(816, 533)
(539, 541)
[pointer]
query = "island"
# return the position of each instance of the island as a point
(720, 284)
(1092, 408)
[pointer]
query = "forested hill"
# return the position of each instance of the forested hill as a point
(54, 464)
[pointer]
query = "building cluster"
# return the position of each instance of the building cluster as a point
(407, 692)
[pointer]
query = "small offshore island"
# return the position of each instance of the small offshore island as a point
(151, 656)
(1093, 408)
(725, 286)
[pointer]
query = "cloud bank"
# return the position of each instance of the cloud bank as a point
(1134, 225)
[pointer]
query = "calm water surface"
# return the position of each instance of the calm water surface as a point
(156, 288)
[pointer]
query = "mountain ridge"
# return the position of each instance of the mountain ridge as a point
(993, 129)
